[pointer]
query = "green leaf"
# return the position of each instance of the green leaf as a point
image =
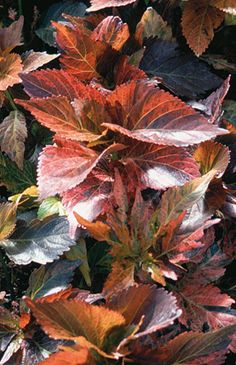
(50, 206)
(13, 178)
(55, 11)
(40, 241)
(51, 278)
(229, 107)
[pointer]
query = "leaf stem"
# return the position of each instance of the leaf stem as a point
(10, 99)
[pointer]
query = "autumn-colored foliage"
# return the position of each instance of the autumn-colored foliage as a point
(117, 163)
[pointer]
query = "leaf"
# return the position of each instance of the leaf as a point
(101, 4)
(66, 165)
(56, 113)
(15, 179)
(196, 348)
(229, 107)
(149, 114)
(13, 133)
(10, 37)
(79, 357)
(10, 67)
(204, 304)
(125, 72)
(176, 200)
(158, 167)
(98, 230)
(199, 21)
(73, 320)
(46, 83)
(212, 155)
(219, 62)
(40, 241)
(82, 55)
(152, 25)
(226, 5)
(51, 278)
(112, 31)
(7, 219)
(182, 73)
(33, 60)
(50, 206)
(213, 103)
(55, 12)
(89, 199)
(157, 306)
(120, 277)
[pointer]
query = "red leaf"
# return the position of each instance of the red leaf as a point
(112, 31)
(101, 4)
(89, 199)
(158, 167)
(195, 301)
(66, 165)
(125, 72)
(45, 83)
(149, 114)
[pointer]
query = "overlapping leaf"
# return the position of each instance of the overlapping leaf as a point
(10, 67)
(33, 60)
(7, 219)
(226, 5)
(10, 37)
(151, 115)
(182, 73)
(101, 4)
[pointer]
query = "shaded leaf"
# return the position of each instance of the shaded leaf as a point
(13, 133)
(71, 319)
(180, 72)
(41, 241)
(199, 21)
(152, 115)
(10, 37)
(51, 278)
(33, 60)
(156, 305)
(10, 67)
(125, 72)
(55, 12)
(112, 31)
(152, 25)
(15, 179)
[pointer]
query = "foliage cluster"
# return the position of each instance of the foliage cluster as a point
(118, 169)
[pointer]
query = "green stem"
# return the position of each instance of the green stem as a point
(20, 8)
(10, 99)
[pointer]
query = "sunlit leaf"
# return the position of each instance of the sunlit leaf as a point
(33, 60)
(10, 67)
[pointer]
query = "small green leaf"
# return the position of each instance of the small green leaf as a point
(50, 206)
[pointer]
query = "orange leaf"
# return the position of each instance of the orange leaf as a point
(229, 6)
(198, 22)
(99, 230)
(72, 319)
(10, 67)
(212, 155)
(81, 54)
